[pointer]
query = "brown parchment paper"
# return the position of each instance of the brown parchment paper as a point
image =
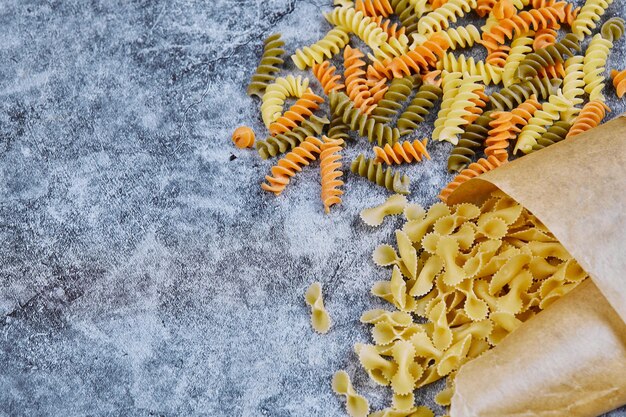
(569, 360)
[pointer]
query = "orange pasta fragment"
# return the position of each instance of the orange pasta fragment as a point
(479, 106)
(374, 7)
(356, 83)
(378, 90)
(291, 164)
(589, 117)
(569, 11)
(435, 4)
(423, 58)
(504, 9)
(619, 82)
(484, 7)
(402, 152)
(330, 171)
(243, 137)
(301, 109)
(473, 170)
(552, 71)
(498, 56)
(525, 111)
(325, 74)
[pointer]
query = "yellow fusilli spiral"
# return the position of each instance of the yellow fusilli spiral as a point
(593, 66)
(440, 18)
(355, 22)
(489, 74)
(520, 47)
(573, 84)
(327, 47)
(462, 36)
(462, 100)
(540, 122)
(590, 13)
(292, 163)
(392, 48)
(276, 94)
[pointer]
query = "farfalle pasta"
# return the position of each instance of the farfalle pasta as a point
(356, 405)
(393, 205)
(320, 320)
(475, 274)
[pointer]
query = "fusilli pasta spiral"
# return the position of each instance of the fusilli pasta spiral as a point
(327, 47)
(520, 47)
(538, 124)
(276, 94)
(325, 74)
(393, 100)
(360, 122)
(356, 84)
(462, 36)
(589, 117)
(375, 172)
(470, 141)
(590, 13)
(374, 7)
(550, 55)
(514, 95)
(292, 163)
(282, 142)
(402, 152)
(473, 170)
(619, 82)
(270, 64)
(420, 106)
(423, 58)
(330, 171)
(556, 133)
(355, 22)
(302, 108)
(490, 74)
(440, 18)
(593, 66)
(544, 37)
(391, 29)
(502, 131)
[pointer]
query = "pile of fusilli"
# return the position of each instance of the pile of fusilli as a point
(551, 88)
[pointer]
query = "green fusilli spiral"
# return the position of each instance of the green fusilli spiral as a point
(556, 133)
(550, 55)
(393, 100)
(420, 106)
(375, 172)
(472, 139)
(270, 63)
(283, 142)
(516, 94)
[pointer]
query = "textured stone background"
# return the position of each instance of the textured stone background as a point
(142, 270)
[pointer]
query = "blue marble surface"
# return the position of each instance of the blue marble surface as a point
(143, 272)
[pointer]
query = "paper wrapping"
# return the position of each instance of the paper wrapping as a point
(569, 360)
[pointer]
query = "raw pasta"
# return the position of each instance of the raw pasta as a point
(619, 82)
(374, 216)
(270, 64)
(326, 47)
(330, 171)
(243, 137)
(375, 172)
(402, 152)
(320, 320)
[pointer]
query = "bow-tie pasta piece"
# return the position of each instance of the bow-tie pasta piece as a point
(356, 405)
(393, 205)
(320, 320)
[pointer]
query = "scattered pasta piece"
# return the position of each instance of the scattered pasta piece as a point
(356, 405)
(374, 216)
(320, 320)
(619, 82)
(243, 137)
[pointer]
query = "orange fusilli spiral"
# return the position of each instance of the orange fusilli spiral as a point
(502, 131)
(393, 30)
(301, 109)
(423, 58)
(478, 107)
(484, 7)
(589, 117)
(498, 56)
(374, 7)
(552, 71)
(292, 163)
(535, 19)
(544, 37)
(377, 90)
(569, 11)
(325, 74)
(525, 111)
(356, 83)
(473, 170)
(504, 9)
(619, 82)
(402, 152)
(379, 70)
(330, 171)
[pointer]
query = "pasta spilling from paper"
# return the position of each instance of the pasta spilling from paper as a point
(537, 86)
(462, 278)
